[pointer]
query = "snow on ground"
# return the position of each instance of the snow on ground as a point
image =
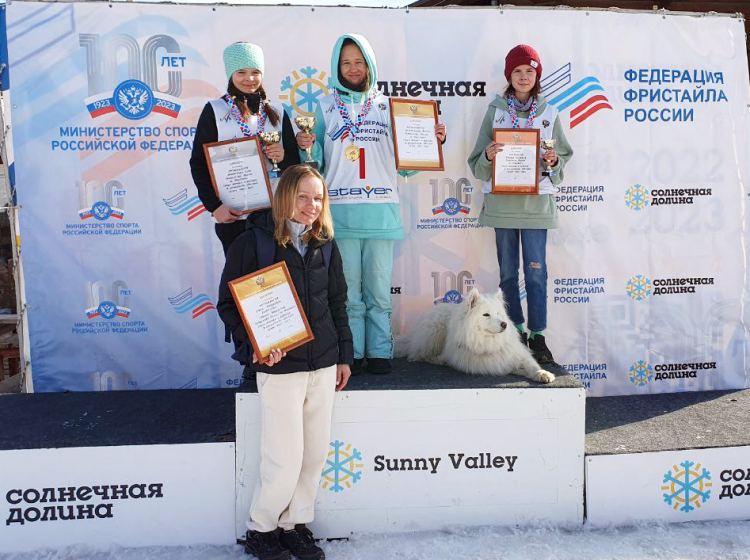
(684, 541)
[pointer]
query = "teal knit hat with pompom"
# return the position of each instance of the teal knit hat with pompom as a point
(243, 55)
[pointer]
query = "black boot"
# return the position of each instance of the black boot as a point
(357, 366)
(301, 543)
(265, 546)
(540, 351)
(379, 365)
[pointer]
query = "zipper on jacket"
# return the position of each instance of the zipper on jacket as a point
(305, 259)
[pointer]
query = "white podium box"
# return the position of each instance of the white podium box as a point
(410, 460)
(670, 457)
(135, 495)
(669, 486)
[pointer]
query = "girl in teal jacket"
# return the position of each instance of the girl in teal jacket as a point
(353, 146)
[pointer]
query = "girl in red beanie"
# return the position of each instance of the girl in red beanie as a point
(521, 221)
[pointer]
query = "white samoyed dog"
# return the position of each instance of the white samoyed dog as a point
(474, 336)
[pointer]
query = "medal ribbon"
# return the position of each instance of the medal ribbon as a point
(349, 126)
(244, 127)
(514, 114)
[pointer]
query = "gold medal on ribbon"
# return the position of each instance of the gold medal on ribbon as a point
(352, 153)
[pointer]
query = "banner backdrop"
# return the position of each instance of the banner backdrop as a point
(648, 283)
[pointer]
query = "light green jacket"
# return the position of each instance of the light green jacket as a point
(517, 211)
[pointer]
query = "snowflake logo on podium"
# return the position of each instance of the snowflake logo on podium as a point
(687, 488)
(637, 197)
(304, 92)
(639, 287)
(641, 373)
(343, 467)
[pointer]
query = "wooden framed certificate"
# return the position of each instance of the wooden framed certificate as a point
(515, 170)
(414, 141)
(271, 310)
(239, 174)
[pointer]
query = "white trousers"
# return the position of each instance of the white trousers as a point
(295, 432)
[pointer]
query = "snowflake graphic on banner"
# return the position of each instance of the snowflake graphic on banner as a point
(304, 92)
(637, 197)
(639, 287)
(343, 467)
(641, 373)
(687, 488)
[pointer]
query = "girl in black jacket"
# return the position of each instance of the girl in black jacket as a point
(243, 111)
(296, 389)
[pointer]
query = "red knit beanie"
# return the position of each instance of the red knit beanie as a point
(522, 54)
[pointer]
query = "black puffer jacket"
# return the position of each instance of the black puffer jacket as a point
(321, 290)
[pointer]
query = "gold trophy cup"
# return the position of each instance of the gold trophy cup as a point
(306, 125)
(273, 137)
(548, 144)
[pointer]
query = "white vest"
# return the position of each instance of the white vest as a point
(229, 128)
(502, 120)
(346, 185)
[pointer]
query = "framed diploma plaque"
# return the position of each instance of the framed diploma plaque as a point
(271, 310)
(414, 141)
(239, 174)
(515, 170)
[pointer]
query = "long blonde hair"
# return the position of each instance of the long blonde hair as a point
(285, 202)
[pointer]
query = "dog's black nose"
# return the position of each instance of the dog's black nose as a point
(503, 325)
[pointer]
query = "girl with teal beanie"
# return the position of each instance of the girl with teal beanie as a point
(353, 145)
(243, 111)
